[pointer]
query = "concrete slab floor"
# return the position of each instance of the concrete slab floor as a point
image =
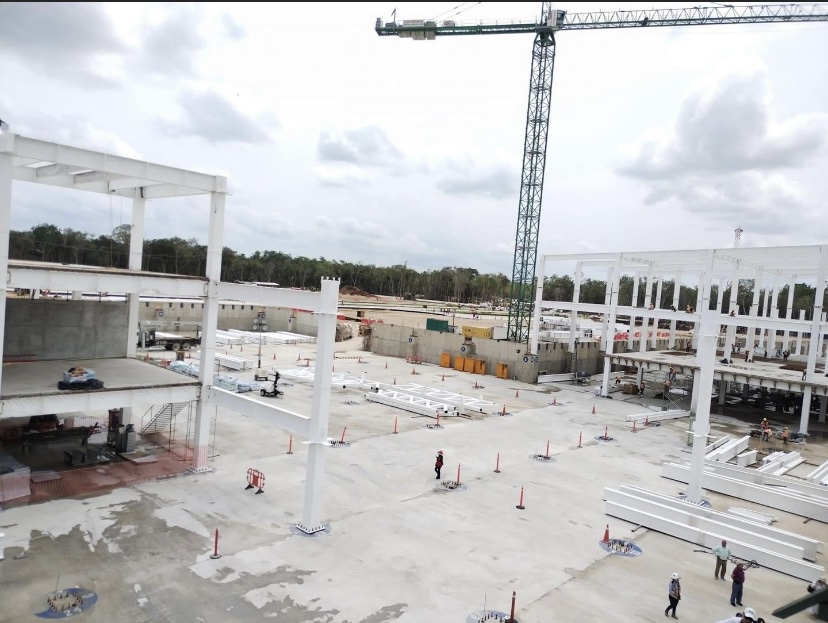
(398, 549)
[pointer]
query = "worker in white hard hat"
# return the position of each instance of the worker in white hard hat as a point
(674, 594)
(748, 616)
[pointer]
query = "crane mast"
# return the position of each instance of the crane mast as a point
(540, 97)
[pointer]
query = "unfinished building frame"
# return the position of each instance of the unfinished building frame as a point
(41, 162)
(769, 268)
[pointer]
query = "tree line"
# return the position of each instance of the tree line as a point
(49, 243)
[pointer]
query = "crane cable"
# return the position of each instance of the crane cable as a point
(459, 9)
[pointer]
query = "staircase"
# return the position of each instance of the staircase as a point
(165, 416)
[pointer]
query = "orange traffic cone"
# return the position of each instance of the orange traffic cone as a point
(593, 409)
(555, 401)
(504, 410)
(606, 538)
(475, 385)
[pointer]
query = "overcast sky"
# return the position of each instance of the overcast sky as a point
(343, 144)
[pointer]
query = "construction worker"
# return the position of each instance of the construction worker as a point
(785, 435)
(722, 554)
(748, 616)
(673, 594)
(438, 464)
(765, 430)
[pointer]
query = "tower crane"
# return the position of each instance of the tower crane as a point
(551, 22)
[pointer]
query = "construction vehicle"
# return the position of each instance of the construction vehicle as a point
(147, 338)
(275, 392)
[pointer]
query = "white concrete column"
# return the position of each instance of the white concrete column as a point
(657, 304)
(534, 333)
(730, 340)
(772, 313)
(800, 335)
(645, 324)
(633, 304)
(6, 165)
(136, 252)
(722, 392)
(754, 307)
(789, 311)
(815, 340)
(605, 318)
(320, 407)
(573, 315)
(215, 239)
(705, 359)
(823, 407)
(609, 345)
(676, 298)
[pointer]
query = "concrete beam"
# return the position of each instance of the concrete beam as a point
(270, 297)
(88, 279)
(97, 400)
(264, 412)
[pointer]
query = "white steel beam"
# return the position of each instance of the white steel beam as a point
(92, 279)
(70, 401)
(6, 162)
(264, 412)
(106, 163)
(407, 402)
(786, 483)
(270, 297)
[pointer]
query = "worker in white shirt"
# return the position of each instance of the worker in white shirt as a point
(722, 554)
(748, 616)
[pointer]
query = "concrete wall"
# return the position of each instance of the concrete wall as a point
(46, 329)
(231, 316)
(402, 341)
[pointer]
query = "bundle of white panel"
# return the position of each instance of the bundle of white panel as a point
(760, 478)
(301, 339)
(223, 337)
(680, 524)
(819, 475)
(746, 458)
(278, 338)
(467, 403)
(728, 450)
(231, 362)
(810, 547)
(778, 463)
(407, 402)
(786, 500)
(249, 337)
(658, 416)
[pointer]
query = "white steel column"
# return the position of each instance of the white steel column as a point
(701, 296)
(609, 345)
(705, 359)
(657, 306)
(320, 407)
(6, 165)
(215, 247)
(772, 313)
(136, 251)
(676, 298)
(633, 304)
(605, 318)
(815, 341)
(645, 320)
(754, 309)
(573, 315)
(789, 311)
(730, 340)
(534, 333)
(823, 407)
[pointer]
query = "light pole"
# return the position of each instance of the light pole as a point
(259, 324)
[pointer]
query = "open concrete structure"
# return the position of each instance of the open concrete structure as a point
(29, 381)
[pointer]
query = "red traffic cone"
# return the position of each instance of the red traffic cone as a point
(395, 381)
(555, 401)
(274, 356)
(444, 378)
(517, 394)
(299, 357)
(386, 365)
(593, 409)
(504, 410)
(606, 538)
(413, 371)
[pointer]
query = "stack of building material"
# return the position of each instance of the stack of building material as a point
(789, 494)
(658, 416)
(300, 339)
(728, 450)
(773, 548)
(779, 463)
(232, 362)
(227, 338)
(762, 518)
(819, 475)
(408, 402)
